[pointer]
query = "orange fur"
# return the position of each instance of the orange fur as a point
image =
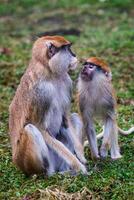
(26, 151)
(100, 62)
(58, 41)
(20, 110)
(39, 52)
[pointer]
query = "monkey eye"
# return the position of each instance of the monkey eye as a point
(91, 66)
(70, 44)
(52, 50)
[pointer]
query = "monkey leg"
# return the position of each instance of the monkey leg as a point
(64, 153)
(64, 137)
(110, 140)
(106, 139)
(59, 163)
(78, 125)
(75, 134)
(32, 153)
(91, 136)
(115, 150)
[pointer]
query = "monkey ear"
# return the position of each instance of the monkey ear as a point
(51, 49)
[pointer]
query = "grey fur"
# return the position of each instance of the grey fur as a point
(63, 136)
(51, 100)
(97, 102)
(62, 61)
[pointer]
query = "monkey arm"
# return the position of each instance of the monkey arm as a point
(19, 112)
(78, 148)
(91, 135)
(63, 152)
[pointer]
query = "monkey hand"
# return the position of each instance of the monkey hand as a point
(80, 155)
(81, 168)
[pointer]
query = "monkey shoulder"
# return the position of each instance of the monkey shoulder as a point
(23, 94)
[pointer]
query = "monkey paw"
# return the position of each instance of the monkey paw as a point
(83, 169)
(115, 153)
(81, 158)
(115, 157)
(103, 152)
(84, 161)
(95, 157)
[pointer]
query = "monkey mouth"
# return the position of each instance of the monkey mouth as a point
(73, 65)
(86, 75)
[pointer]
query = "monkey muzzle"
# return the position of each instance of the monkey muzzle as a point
(73, 64)
(87, 73)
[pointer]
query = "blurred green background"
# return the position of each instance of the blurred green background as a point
(101, 28)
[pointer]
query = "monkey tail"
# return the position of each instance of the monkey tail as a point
(129, 131)
(100, 135)
(122, 132)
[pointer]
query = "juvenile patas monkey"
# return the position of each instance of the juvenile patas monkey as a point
(97, 100)
(43, 135)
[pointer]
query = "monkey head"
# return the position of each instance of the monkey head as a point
(56, 53)
(93, 66)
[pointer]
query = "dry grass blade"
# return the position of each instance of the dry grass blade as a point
(54, 193)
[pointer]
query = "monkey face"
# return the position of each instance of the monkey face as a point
(88, 71)
(91, 69)
(61, 59)
(55, 53)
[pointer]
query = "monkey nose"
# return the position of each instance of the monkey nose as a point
(84, 69)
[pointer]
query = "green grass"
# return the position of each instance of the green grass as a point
(106, 31)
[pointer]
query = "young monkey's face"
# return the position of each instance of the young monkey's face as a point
(88, 71)
(92, 69)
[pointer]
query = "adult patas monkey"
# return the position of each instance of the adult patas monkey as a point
(97, 100)
(41, 130)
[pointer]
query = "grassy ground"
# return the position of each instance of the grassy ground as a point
(106, 30)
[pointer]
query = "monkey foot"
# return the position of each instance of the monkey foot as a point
(115, 153)
(81, 158)
(83, 169)
(95, 157)
(103, 152)
(116, 157)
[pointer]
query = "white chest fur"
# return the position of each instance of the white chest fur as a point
(55, 94)
(96, 95)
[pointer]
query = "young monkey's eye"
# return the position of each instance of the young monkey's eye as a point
(91, 66)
